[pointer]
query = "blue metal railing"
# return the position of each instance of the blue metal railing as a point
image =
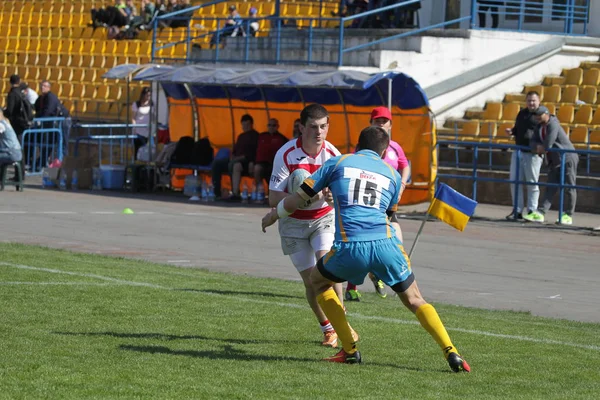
(284, 38)
(518, 183)
(42, 143)
(488, 144)
(525, 11)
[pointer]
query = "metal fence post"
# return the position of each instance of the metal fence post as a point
(517, 184)
(475, 162)
(473, 13)
(561, 187)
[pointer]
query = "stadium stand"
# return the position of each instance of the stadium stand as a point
(572, 97)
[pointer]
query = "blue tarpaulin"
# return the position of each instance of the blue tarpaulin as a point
(277, 85)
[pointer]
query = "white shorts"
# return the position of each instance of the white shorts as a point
(301, 239)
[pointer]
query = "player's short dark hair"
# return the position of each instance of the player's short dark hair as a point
(313, 111)
(15, 79)
(531, 93)
(373, 138)
(247, 117)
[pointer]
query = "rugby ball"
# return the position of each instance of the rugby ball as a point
(295, 180)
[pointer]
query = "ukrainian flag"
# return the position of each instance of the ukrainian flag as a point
(452, 207)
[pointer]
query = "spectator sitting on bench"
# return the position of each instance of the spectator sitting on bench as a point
(10, 148)
(269, 143)
(241, 162)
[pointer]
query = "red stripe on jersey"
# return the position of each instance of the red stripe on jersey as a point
(308, 167)
(331, 152)
(311, 214)
(285, 157)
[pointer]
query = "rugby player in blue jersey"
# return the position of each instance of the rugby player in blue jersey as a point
(365, 192)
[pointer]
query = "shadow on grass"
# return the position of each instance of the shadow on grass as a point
(234, 293)
(163, 336)
(229, 353)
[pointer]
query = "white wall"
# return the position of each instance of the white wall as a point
(514, 84)
(441, 58)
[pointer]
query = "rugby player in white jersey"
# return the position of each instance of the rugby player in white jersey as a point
(307, 234)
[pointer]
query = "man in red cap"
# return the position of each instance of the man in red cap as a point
(394, 156)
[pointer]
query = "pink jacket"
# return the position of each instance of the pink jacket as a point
(395, 156)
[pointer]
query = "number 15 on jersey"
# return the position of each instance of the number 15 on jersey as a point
(364, 187)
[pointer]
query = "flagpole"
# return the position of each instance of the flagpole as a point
(410, 253)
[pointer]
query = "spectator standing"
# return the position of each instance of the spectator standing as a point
(492, 5)
(18, 110)
(269, 143)
(140, 115)
(529, 163)
(241, 162)
(550, 135)
(49, 106)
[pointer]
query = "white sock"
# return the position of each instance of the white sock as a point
(326, 328)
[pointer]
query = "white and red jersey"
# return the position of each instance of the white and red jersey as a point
(291, 157)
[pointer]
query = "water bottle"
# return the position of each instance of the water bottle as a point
(254, 194)
(245, 193)
(260, 197)
(96, 179)
(211, 193)
(62, 180)
(204, 193)
(46, 181)
(74, 181)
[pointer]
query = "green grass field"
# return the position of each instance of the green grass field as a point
(78, 326)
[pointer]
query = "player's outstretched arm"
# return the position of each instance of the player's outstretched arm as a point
(285, 207)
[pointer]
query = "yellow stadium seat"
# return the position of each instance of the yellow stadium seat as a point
(566, 113)
(44, 74)
(110, 47)
(102, 92)
(87, 32)
(574, 77)
(590, 64)
(90, 90)
(596, 120)
(552, 94)
(570, 94)
(510, 111)
(579, 136)
(488, 130)
(493, 111)
(469, 131)
(591, 77)
(67, 90)
(89, 75)
(594, 140)
(588, 94)
(566, 128)
(32, 76)
(514, 97)
(77, 74)
(583, 116)
(22, 58)
(54, 74)
(551, 108)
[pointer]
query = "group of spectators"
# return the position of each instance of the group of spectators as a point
(236, 26)
(396, 18)
(124, 20)
(539, 133)
(22, 105)
(252, 156)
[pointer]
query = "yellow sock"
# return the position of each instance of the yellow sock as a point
(332, 307)
(430, 320)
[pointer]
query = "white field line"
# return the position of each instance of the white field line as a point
(290, 305)
(60, 283)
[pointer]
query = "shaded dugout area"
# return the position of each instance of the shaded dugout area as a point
(209, 102)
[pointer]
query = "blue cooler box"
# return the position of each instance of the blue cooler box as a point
(113, 176)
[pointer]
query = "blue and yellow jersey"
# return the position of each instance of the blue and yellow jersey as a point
(364, 189)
